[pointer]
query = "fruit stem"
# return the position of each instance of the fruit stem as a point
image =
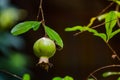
(43, 60)
(44, 63)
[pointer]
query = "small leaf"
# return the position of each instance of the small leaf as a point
(68, 78)
(24, 27)
(118, 78)
(117, 13)
(54, 36)
(26, 77)
(101, 35)
(114, 33)
(101, 17)
(91, 21)
(36, 26)
(117, 1)
(107, 74)
(75, 28)
(92, 30)
(80, 28)
(57, 78)
(110, 22)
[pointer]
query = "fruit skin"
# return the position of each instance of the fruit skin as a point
(44, 47)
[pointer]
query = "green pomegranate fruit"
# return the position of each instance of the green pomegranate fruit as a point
(44, 48)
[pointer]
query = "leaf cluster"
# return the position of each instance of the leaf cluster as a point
(110, 22)
(24, 27)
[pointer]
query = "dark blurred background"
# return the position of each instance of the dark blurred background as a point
(81, 54)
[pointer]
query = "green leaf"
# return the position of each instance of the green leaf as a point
(26, 77)
(92, 30)
(107, 74)
(75, 28)
(57, 78)
(117, 1)
(101, 35)
(118, 14)
(54, 36)
(101, 17)
(118, 78)
(91, 21)
(114, 33)
(80, 28)
(110, 22)
(25, 26)
(68, 78)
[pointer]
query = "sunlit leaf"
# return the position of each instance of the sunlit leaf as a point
(26, 77)
(57, 78)
(24, 27)
(101, 17)
(110, 22)
(68, 78)
(107, 74)
(54, 36)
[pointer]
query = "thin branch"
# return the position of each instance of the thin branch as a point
(117, 8)
(38, 14)
(106, 8)
(99, 14)
(11, 74)
(96, 26)
(114, 52)
(118, 23)
(93, 76)
(91, 27)
(101, 68)
(42, 13)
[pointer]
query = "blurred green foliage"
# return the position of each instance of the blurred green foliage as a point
(11, 60)
(65, 78)
(26, 77)
(9, 15)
